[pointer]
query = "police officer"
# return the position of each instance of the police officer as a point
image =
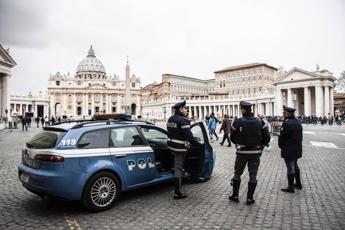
(290, 143)
(180, 137)
(250, 134)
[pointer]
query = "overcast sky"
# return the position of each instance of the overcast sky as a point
(191, 38)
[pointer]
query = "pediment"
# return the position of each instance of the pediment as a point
(5, 58)
(296, 74)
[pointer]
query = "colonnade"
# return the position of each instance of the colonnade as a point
(308, 100)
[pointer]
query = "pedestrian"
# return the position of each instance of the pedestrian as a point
(212, 125)
(250, 134)
(42, 121)
(180, 137)
(207, 118)
(290, 143)
(53, 120)
(46, 121)
(226, 127)
(37, 119)
(24, 125)
(28, 122)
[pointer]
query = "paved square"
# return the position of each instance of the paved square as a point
(319, 205)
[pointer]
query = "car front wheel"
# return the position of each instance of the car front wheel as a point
(101, 191)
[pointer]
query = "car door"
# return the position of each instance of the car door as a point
(131, 154)
(157, 138)
(200, 159)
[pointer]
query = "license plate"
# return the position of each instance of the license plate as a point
(24, 178)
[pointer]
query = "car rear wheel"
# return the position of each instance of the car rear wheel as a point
(101, 191)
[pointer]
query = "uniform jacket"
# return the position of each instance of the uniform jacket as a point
(226, 126)
(250, 134)
(179, 133)
(290, 139)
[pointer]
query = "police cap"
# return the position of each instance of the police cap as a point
(245, 104)
(179, 104)
(288, 109)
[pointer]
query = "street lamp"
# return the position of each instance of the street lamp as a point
(165, 113)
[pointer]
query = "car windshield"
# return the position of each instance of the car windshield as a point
(45, 140)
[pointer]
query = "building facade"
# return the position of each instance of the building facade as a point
(34, 105)
(91, 91)
(266, 87)
(6, 64)
(311, 93)
(221, 95)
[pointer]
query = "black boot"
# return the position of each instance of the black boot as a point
(298, 184)
(291, 187)
(178, 194)
(236, 187)
(250, 193)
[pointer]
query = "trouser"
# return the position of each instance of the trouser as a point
(24, 127)
(291, 166)
(179, 163)
(213, 132)
(253, 161)
(226, 137)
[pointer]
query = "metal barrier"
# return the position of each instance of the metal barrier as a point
(275, 127)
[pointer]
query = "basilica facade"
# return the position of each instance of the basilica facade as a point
(91, 91)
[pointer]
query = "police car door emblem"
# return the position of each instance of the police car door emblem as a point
(130, 164)
(141, 163)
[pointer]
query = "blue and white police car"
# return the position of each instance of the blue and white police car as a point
(94, 161)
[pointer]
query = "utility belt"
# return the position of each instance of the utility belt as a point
(242, 149)
(186, 143)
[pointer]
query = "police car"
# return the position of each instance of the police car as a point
(94, 161)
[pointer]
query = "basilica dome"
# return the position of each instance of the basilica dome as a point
(90, 64)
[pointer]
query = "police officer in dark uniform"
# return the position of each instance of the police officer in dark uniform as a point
(290, 143)
(250, 134)
(180, 137)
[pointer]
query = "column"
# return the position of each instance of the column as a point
(201, 113)
(64, 105)
(74, 104)
(326, 101)
(92, 104)
(289, 98)
(279, 97)
(86, 104)
(331, 95)
(267, 109)
(51, 106)
(107, 104)
(307, 107)
(318, 101)
(5, 96)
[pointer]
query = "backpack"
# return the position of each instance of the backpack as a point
(250, 132)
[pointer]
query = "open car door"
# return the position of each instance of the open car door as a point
(200, 159)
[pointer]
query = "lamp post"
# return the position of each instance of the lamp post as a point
(165, 113)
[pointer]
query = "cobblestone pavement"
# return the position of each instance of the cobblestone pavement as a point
(320, 205)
